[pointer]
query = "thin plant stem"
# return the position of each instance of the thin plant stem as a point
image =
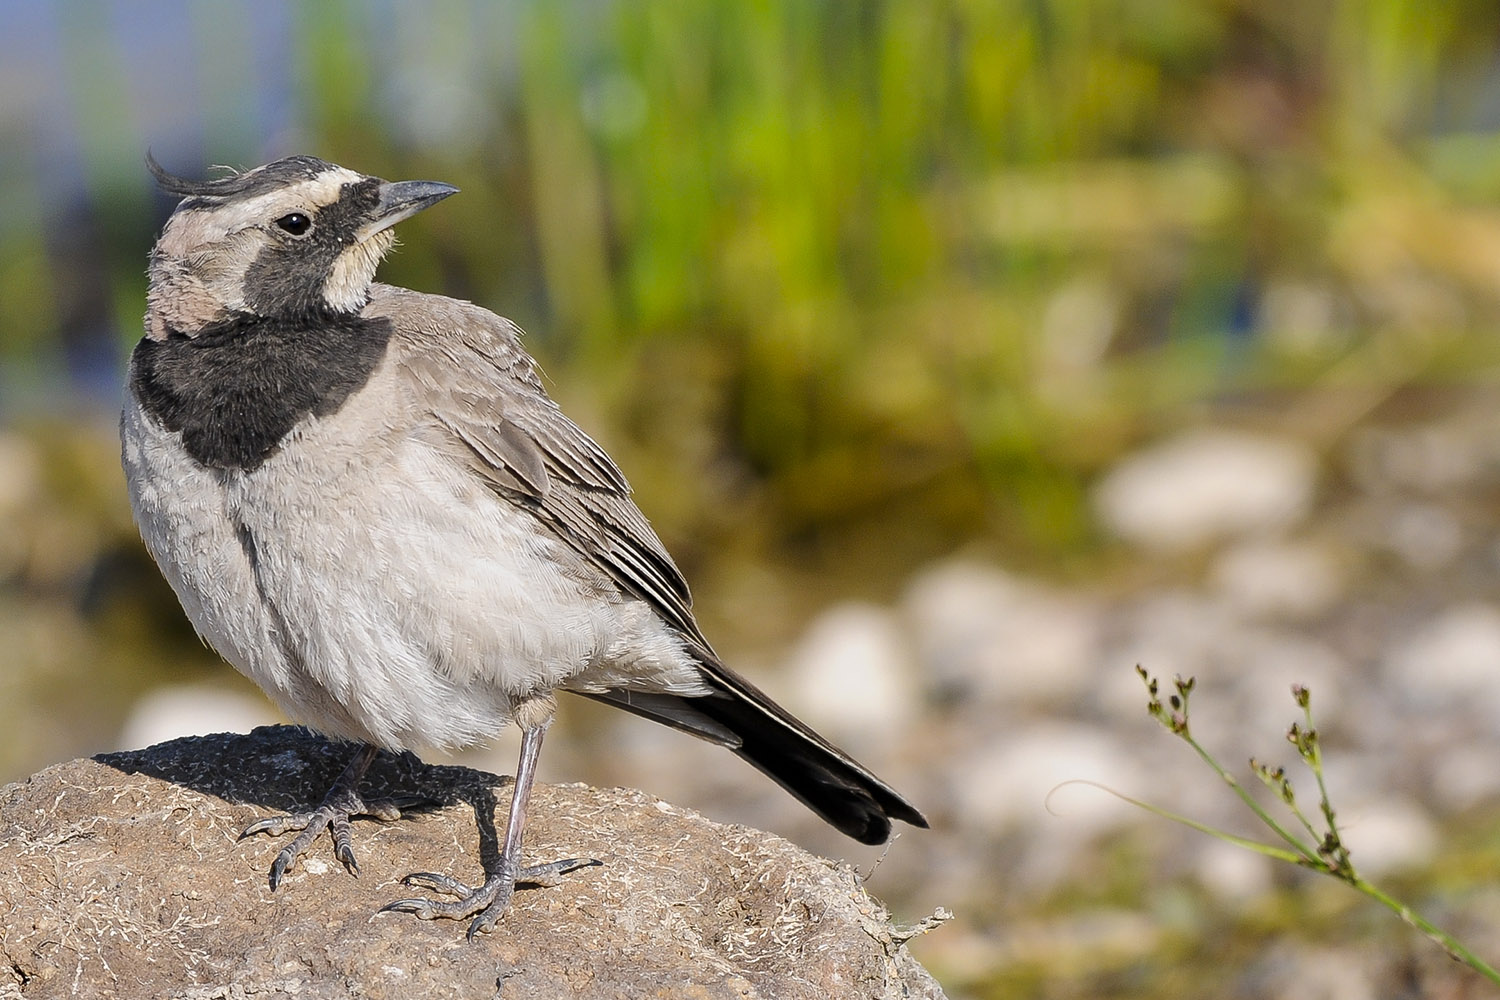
(1326, 852)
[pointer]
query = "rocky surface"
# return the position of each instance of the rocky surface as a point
(120, 875)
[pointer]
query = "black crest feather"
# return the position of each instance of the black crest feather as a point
(272, 174)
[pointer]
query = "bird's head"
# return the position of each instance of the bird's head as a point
(296, 237)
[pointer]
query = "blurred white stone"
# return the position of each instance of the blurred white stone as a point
(1465, 776)
(1268, 579)
(1426, 535)
(1432, 459)
(852, 674)
(1292, 969)
(1231, 872)
(1204, 485)
(192, 710)
(1037, 790)
(1450, 660)
(1019, 780)
(983, 633)
(1385, 835)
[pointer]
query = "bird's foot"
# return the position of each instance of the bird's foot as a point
(489, 901)
(333, 814)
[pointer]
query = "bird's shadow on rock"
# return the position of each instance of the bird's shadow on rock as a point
(288, 769)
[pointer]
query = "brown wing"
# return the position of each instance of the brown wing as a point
(472, 376)
(476, 381)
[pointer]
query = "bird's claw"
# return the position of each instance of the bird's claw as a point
(334, 813)
(489, 901)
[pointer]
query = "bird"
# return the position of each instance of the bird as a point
(366, 501)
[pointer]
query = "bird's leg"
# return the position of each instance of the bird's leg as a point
(340, 804)
(490, 899)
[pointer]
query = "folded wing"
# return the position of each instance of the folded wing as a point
(483, 389)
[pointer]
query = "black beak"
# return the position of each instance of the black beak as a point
(402, 200)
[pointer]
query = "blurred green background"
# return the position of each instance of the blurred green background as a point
(845, 287)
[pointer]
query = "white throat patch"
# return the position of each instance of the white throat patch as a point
(348, 281)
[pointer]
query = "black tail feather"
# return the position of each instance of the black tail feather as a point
(828, 781)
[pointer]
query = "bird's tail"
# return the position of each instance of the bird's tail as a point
(740, 716)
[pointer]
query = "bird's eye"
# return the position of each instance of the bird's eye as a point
(296, 223)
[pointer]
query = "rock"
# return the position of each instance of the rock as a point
(1428, 536)
(990, 638)
(1387, 834)
(1231, 872)
(1450, 661)
(1206, 485)
(121, 876)
(1428, 460)
(1308, 971)
(1465, 777)
(1022, 777)
(1279, 580)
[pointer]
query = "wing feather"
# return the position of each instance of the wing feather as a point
(472, 379)
(483, 389)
